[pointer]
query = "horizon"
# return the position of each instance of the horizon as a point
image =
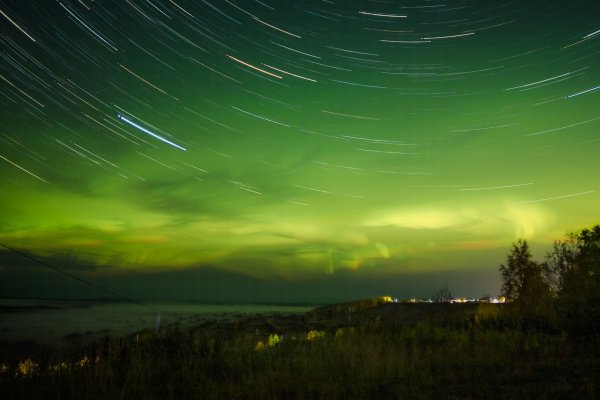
(156, 305)
(291, 152)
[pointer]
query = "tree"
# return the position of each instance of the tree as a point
(518, 263)
(579, 300)
(524, 286)
(571, 271)
(589, 250)
(559, 261)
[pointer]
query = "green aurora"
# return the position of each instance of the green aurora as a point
(292, 150)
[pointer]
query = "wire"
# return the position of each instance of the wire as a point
(77, 278)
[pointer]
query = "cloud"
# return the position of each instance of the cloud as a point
(416, 219)
(475, 220)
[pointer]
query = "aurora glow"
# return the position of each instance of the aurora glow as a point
(335, 149)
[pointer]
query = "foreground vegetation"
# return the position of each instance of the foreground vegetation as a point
(476, 354)
(563, 291)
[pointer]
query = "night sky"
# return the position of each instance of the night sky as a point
(291, 151)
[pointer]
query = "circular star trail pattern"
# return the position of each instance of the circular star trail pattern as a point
(296, 140)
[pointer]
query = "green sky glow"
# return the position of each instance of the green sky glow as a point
(372, 142)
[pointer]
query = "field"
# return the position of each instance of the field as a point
(384, 351)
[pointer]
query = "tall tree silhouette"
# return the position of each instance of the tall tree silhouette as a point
(524, 286)
(580, 297)
(514, 274)
(560, 261)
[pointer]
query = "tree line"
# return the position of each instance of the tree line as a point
(563, 290)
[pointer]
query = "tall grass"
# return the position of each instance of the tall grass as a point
(418, 361)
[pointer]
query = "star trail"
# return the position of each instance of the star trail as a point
(296, 141)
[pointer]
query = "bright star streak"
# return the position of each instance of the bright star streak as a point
(88, 28)
(555, 198)
(16, 25)
(258, 116)
(582, 92)
(449, 36)
(141, 128)
(253, 67)
(564, 127)
(589, 35)
(23, 169)
(545, 80)
(498, 187)
(289, 73)
(276, 28)
(382, 15)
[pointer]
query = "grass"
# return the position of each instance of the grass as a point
(424, 352)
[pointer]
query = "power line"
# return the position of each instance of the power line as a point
(77, 278)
